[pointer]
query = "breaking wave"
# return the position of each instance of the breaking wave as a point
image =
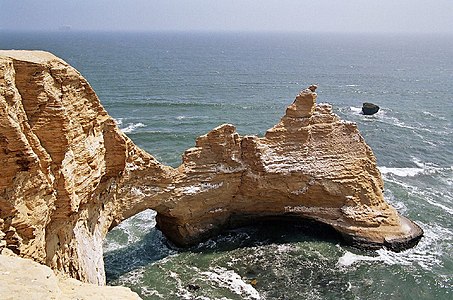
(232, 281)
(130, 230)
(402, 172)
(131, 127)
(357, 110)
(422, 168)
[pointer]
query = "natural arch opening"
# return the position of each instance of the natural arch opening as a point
(137, 244)
(134, 243)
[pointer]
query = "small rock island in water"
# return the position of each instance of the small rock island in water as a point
(70, 175)
(369, 108)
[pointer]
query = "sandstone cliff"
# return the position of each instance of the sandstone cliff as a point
(63, 162)
(69, 174)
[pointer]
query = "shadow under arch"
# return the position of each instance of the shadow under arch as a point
(150, 245)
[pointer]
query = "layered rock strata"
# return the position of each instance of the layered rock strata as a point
(69, 174)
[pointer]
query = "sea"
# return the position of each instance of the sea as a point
(166, 88)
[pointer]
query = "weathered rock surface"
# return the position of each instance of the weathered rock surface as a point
(69, 174)
(63, 161)
(25, 279)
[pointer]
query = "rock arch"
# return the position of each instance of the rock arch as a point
(70, 174)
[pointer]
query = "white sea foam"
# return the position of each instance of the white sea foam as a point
(232, 281)
(400, 206)
(357, 110)
(347, 122)
(422, 167)
(145, 291)
(401, 124)
(285, 248)
(349, 258)
(426, 193)
(134, 228)
(131, 127)
(418, 162)
(427, 254)
(429, 168)
(402, 172)
(118, 121)
(134, 277)
(436, 241)
(182, 292)
(430, 114)
(398, 123)
(445, 208)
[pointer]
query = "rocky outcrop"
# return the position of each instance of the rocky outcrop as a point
(25, 279)
(369, 108)
(70, 174)
(310, 165)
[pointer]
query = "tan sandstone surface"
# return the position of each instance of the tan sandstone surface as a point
(24, 279)
(69, 174)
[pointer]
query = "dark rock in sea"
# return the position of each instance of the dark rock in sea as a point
(369, 108)
(193, 287)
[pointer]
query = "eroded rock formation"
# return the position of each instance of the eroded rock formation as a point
(69, 174)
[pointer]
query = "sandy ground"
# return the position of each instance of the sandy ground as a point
(25, 279)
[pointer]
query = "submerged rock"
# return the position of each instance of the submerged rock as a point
(193, 287)
(69, 174)
(369, 108)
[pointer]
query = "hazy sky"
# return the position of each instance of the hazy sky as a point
(231, 15)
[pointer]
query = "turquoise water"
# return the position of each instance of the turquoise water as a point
(165, 89)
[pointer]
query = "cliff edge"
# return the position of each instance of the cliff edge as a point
(25, 279)
(69, 174)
